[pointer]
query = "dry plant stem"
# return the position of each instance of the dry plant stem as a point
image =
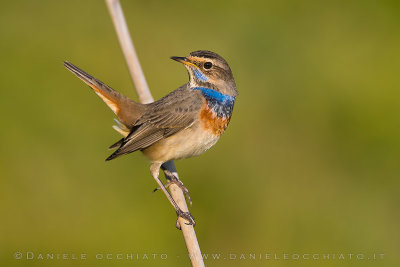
(188, 230)
(128, 49)
(144, 94)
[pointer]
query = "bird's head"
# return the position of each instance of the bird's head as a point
(208, 69)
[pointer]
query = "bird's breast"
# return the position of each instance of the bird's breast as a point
(216, 111)
(189, 142)
(201, 135)
(213, 120)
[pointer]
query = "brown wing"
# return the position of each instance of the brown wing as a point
(165, 117)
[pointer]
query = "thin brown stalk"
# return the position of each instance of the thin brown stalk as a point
(144, 94)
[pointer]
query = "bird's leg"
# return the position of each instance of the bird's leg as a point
(155, 170)
(173, 179)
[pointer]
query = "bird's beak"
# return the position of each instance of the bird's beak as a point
(183, 60)
(179, 59)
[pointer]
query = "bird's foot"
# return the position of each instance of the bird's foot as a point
(185, 215)
(175, 180)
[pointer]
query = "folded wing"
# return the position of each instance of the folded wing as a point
(165, 117)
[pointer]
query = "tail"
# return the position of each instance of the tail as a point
(127, 111)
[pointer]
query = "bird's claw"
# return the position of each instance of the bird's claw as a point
(185, 191)
(179, 183)
(185, 215)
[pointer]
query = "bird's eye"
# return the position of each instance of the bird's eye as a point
(207, 65)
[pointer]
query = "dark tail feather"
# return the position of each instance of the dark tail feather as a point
(117, 144)
(127, 110)
(113, 156)
(116, 154)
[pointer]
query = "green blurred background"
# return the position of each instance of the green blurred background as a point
(309, 164)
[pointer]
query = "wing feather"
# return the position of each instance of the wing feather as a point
(165, 117)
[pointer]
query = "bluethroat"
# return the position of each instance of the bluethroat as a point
(185, 123)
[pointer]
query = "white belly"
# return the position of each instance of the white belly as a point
(187, 143)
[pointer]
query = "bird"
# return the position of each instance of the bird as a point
(185, 123)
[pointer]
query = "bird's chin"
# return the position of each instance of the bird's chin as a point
(193, 83)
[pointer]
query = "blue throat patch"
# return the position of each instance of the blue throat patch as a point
(199, 75)
(221, 104)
